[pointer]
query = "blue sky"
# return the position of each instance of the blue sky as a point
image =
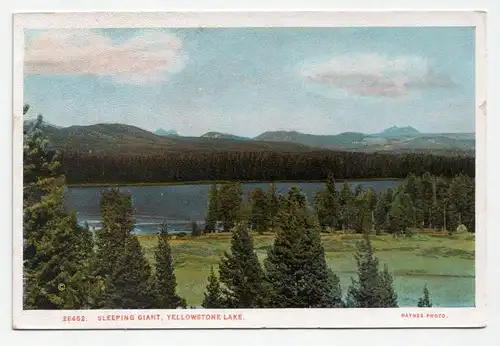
(249, 80)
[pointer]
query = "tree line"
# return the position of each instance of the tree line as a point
(419, 202)
(202, 165)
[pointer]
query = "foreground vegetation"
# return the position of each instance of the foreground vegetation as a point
(428, 256)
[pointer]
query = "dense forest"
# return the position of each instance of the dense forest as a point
(85, 168)
(67, 266)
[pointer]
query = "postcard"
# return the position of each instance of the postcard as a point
(265, 169)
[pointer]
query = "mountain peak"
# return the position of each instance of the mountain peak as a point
(400, 131)
(163, 132)
(221, 135)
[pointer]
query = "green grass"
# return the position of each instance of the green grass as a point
(445, 263)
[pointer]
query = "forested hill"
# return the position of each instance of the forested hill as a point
(119, 138)
(116, 154)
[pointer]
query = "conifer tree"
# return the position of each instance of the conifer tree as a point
(259, 217)
(425, 300)
(372, 289)
(461, 204)
(118, 223)
(165, 281)
(296, 267)
(440, 203)
(326, 204)
(212, 215)
(388, 296)
(120, 261)
(129, 285)
(195, 229)
(401, 214)
(213, 294)
(346, 209)
(272, 204)
(241, 274)
(361, 211)
(230, 200)
(57, 251)
(427, 196)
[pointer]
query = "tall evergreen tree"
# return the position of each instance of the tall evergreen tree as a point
(425, 300)
(346, 207)
(440, 203)
(213, 294)
(241, 274)
(426, 187)
(326, 204)
(372, 289)
(57, 251)
(273, 204)
(129, 285)
(165, 281)
(296, 267)
(382, 208)
(360, 213)
(118, 223)
(121, 263)
(461, 197)
(401, 214)
(230, 200)
(259, 218)
(212, 215)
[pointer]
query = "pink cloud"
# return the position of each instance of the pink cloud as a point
(145, 58)
(377, 75)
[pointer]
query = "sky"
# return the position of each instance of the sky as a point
(246, 81)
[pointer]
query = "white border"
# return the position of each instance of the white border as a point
(257, 318)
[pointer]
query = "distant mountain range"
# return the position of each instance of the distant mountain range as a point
(130, 139)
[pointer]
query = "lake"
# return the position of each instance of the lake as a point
(179, 205)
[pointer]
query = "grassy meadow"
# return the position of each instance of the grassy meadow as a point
(444, 262)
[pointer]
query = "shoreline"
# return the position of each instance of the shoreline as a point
(209, 182)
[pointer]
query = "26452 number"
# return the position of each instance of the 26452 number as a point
(74, 319)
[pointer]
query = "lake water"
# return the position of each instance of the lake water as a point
(179, 205)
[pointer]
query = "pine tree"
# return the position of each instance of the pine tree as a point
(241, 274)
(346, 209)
(296, 267)
(326, 204)
(440, 203)
(372, 289)
(427, 193)
(371, 201)
(388, 296)
(195, 229)
(360, 212)
(57, 251)
(273, 204)
(213, 295)
(461, 197)
(230, 200)
(259, 217)
(165, 281)
(120, 261)
(117, 218)
(401, 214)
(129, 285)
(425, 301)
(212, 215)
